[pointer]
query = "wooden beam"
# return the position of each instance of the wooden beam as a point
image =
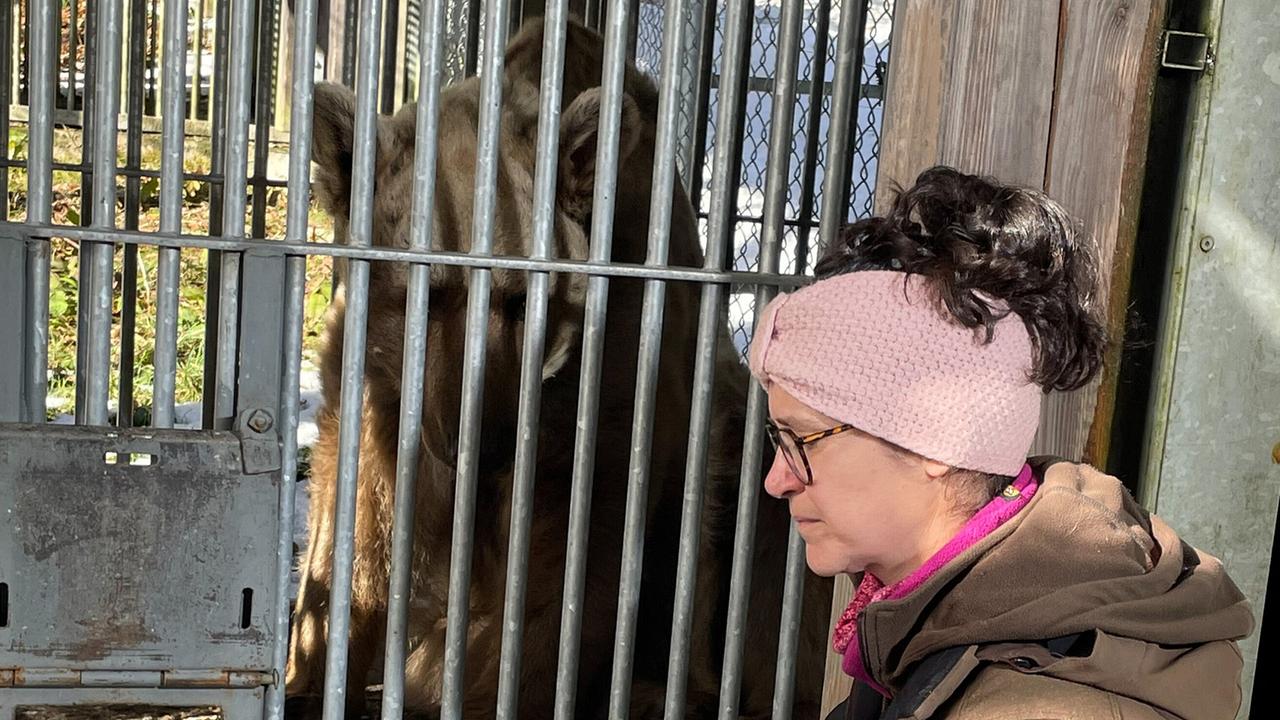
(970, 85)
(1097, 150)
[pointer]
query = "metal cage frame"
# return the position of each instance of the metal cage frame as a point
(254, 357)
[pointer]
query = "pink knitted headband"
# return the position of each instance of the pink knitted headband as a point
(868, 350)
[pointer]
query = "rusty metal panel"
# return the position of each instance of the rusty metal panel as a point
(134, 550)
(238, 704)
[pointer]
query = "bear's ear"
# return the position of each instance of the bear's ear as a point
(332, 146)
(579, 139)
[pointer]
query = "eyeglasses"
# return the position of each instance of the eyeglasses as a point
(792, 445)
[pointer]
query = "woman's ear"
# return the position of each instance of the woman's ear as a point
(935, 470)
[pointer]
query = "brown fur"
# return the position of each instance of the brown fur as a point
(442, 395)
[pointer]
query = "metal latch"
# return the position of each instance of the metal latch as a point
(1182, 50)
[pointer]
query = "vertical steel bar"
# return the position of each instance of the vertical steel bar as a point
(775, 206)
(726, 163)
(235, 182)
(691, 55)
(660, 209)
(487, 159)
(431, 66)
(633, 35)
(263, 112)
(197, 52)
(843, 102)
(593, 336)
(359, 234)
(702, 101)
(391, 24)
(40, 88)
(349, 39)
(132, 200)
(535, 331)
(809, 170)
(299, 196)
(474, 9)
(86, 198)
(171, 193)
(73, 38)
(860, 23)
(217, 193)
(153, 48)
(96, 336)
(784, 685)
(6, 96)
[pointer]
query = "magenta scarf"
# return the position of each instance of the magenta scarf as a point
(991, 516)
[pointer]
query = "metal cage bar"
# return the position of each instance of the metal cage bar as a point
(171, 193)
(725, 178)
(784, 686)
(235, 186)
(593, 336)
(431, 59)
(664, 179)
(817, 84)
(136, 94)
(531, 367)
(96, 297)
(217, 197)
(354, 333)
(849, 48)
(771, 234)
(474, 355)
(304, 24)
(39, 205)
(452, 259)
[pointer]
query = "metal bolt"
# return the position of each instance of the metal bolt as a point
(260, 421)
(1206, 243)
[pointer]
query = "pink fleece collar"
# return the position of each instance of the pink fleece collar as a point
(871, 590)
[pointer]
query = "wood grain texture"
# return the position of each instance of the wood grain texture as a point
(999, 101)
(970, 85)
(1096, 153)
(918, 71)
(836, 685)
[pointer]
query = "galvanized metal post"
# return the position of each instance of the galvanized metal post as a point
(299, 196)
(593, 333)
(98, 256)
(359, 235)
(171, 196)
(660, 213)
(482, 230)
(39, 207)
(531, 368)
(431, 58)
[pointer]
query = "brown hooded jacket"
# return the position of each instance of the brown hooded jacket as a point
(1083, 606)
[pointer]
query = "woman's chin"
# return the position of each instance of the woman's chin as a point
(823, 564)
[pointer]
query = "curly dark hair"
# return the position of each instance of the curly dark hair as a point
(976, 240)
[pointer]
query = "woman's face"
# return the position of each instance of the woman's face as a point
(871, 506)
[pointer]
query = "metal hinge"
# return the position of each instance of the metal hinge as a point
(1182, 50)
(65, 678)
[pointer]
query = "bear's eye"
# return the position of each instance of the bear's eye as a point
(513, 307)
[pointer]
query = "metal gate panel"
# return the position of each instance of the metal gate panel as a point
(134, 551)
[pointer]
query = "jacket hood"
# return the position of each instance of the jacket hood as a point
(1082, 556)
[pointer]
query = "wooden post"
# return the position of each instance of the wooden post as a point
(1097, 155)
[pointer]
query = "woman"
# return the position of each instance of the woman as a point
(904, 392)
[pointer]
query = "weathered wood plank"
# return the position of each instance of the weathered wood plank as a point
(970, 85)
(1097, 151)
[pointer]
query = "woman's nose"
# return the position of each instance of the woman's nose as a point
(781, 482)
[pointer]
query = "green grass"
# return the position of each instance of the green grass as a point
(68, 192)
